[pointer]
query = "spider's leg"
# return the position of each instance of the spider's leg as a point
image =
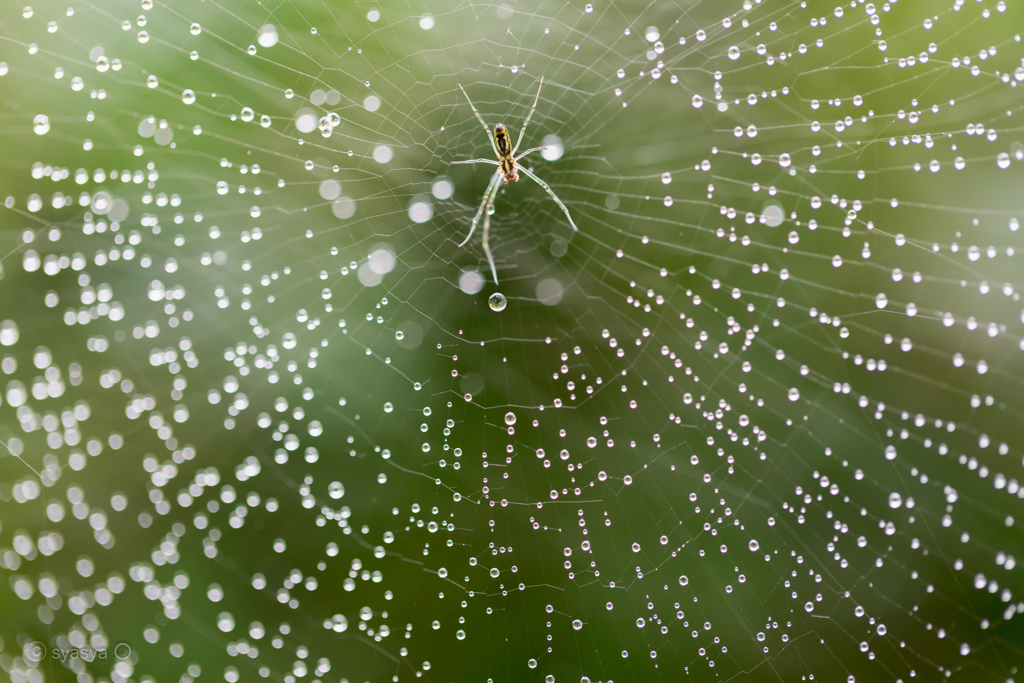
(487, 229)
(492, 162)
(522, 133)
(553, 195)
(490, 133)
(534, 149)
(491, 189)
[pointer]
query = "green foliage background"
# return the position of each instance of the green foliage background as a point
(663, 549)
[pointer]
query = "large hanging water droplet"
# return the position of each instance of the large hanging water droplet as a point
(497, 302)
(510, 418)
(188, 96)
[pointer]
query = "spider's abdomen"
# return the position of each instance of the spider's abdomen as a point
(502, 140)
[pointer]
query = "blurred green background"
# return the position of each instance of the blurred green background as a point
(757, 420)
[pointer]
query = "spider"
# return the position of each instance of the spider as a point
(508, 171)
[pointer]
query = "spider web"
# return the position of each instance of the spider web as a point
(756, 420)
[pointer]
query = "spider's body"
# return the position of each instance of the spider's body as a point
(506, 162)
(507, 171)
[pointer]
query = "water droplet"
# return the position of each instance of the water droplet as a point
(698, 101)
(388, 407)
(553, 148)
(793, 394)
(895, 500)
(510, 418)
(497, 301)
(734, 53)
(41, 124)
(683, 580)
(195, 29)
(267, 36)
(188, 96)
(247, 114)
(494, 572)
(577, 624)
(753, 545)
